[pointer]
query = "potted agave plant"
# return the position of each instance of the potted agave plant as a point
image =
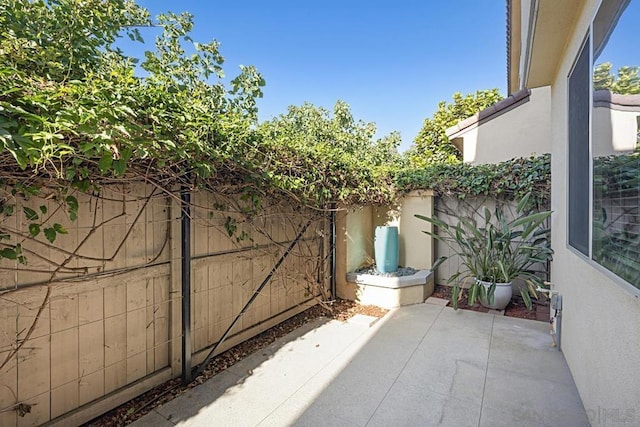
(495, 253)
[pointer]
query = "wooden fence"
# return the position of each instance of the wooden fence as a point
(93, 318)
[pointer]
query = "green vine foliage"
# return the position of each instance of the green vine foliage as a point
(324, 157)
(616, 242)
(76, 111)
(509, 180)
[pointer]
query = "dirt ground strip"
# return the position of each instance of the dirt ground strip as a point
(516, 308)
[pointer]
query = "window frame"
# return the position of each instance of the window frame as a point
(589, 38)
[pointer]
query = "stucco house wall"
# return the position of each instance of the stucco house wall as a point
(519, 129)
(601, 315)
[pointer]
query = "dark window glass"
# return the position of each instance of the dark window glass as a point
(579, 88)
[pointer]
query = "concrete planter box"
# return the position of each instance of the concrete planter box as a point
(388, 292)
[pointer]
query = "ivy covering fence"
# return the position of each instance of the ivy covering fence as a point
(509, 180)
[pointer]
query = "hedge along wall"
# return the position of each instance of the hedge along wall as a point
(107, 326)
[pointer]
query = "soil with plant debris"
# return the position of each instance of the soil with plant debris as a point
(338, 309)
(516, 308)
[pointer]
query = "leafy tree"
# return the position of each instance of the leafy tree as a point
(65, 105)
(432, 146)
(602, 77)
(625, 82)
(331, 157)
(62, 39)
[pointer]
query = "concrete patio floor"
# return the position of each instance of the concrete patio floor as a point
(420, 365)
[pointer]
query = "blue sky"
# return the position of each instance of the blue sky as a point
(391, 62)
(620, 48)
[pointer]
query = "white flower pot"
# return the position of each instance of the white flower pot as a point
(501, 296)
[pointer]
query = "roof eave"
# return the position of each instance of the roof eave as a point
(513, 45)
(538, 49)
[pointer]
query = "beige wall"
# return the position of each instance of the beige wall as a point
(354, 243)
(115, 332)
(356, 226)
(600, 333)
(520, 132)
(359, 235)
(615, 128)
(416, 248)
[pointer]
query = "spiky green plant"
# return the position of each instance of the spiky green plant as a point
(497, 251)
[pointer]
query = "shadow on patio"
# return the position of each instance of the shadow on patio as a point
(419, 365)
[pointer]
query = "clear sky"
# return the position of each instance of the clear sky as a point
(392, 62)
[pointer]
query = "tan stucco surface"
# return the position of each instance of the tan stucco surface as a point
(544, 49)
(354, 244)
(600, 333)
(355, 236)
(416, 248)
(359, 237)
(614, 131)
(519, 132)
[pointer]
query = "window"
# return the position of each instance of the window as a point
(615, 117)
(579, 86)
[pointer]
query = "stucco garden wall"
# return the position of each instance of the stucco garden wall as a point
(355, 235)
